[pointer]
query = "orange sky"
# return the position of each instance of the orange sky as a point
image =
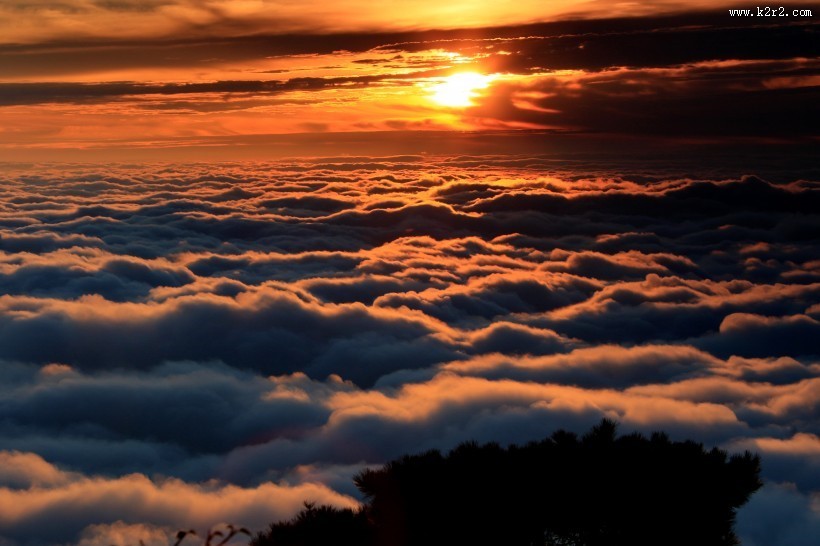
(182, 73)
(32, 21)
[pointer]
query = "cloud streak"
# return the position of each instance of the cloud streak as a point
(229, 76)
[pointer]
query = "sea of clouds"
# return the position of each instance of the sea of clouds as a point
(187, 345)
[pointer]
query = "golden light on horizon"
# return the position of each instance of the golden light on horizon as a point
(459, 90)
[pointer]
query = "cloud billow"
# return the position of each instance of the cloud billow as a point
(256, 333)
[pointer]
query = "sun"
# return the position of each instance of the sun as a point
(459, 90)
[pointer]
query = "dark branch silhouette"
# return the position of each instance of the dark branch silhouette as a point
(596, 490)
(182, 534)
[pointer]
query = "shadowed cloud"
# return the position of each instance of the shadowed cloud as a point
(275, 326)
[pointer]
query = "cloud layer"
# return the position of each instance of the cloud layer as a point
(188, 345)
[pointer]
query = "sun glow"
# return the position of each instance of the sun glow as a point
(459, 90)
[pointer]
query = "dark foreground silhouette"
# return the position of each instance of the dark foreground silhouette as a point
(597, 490)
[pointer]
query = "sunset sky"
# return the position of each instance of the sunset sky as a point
(250, 247)
(91, 80)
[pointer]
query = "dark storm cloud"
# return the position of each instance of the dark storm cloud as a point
(292, 321)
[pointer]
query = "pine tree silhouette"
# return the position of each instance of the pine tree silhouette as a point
(596, 490)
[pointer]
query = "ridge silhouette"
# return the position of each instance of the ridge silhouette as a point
(596, 490)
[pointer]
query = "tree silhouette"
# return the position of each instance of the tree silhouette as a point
(323, 525)
(596, 490)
